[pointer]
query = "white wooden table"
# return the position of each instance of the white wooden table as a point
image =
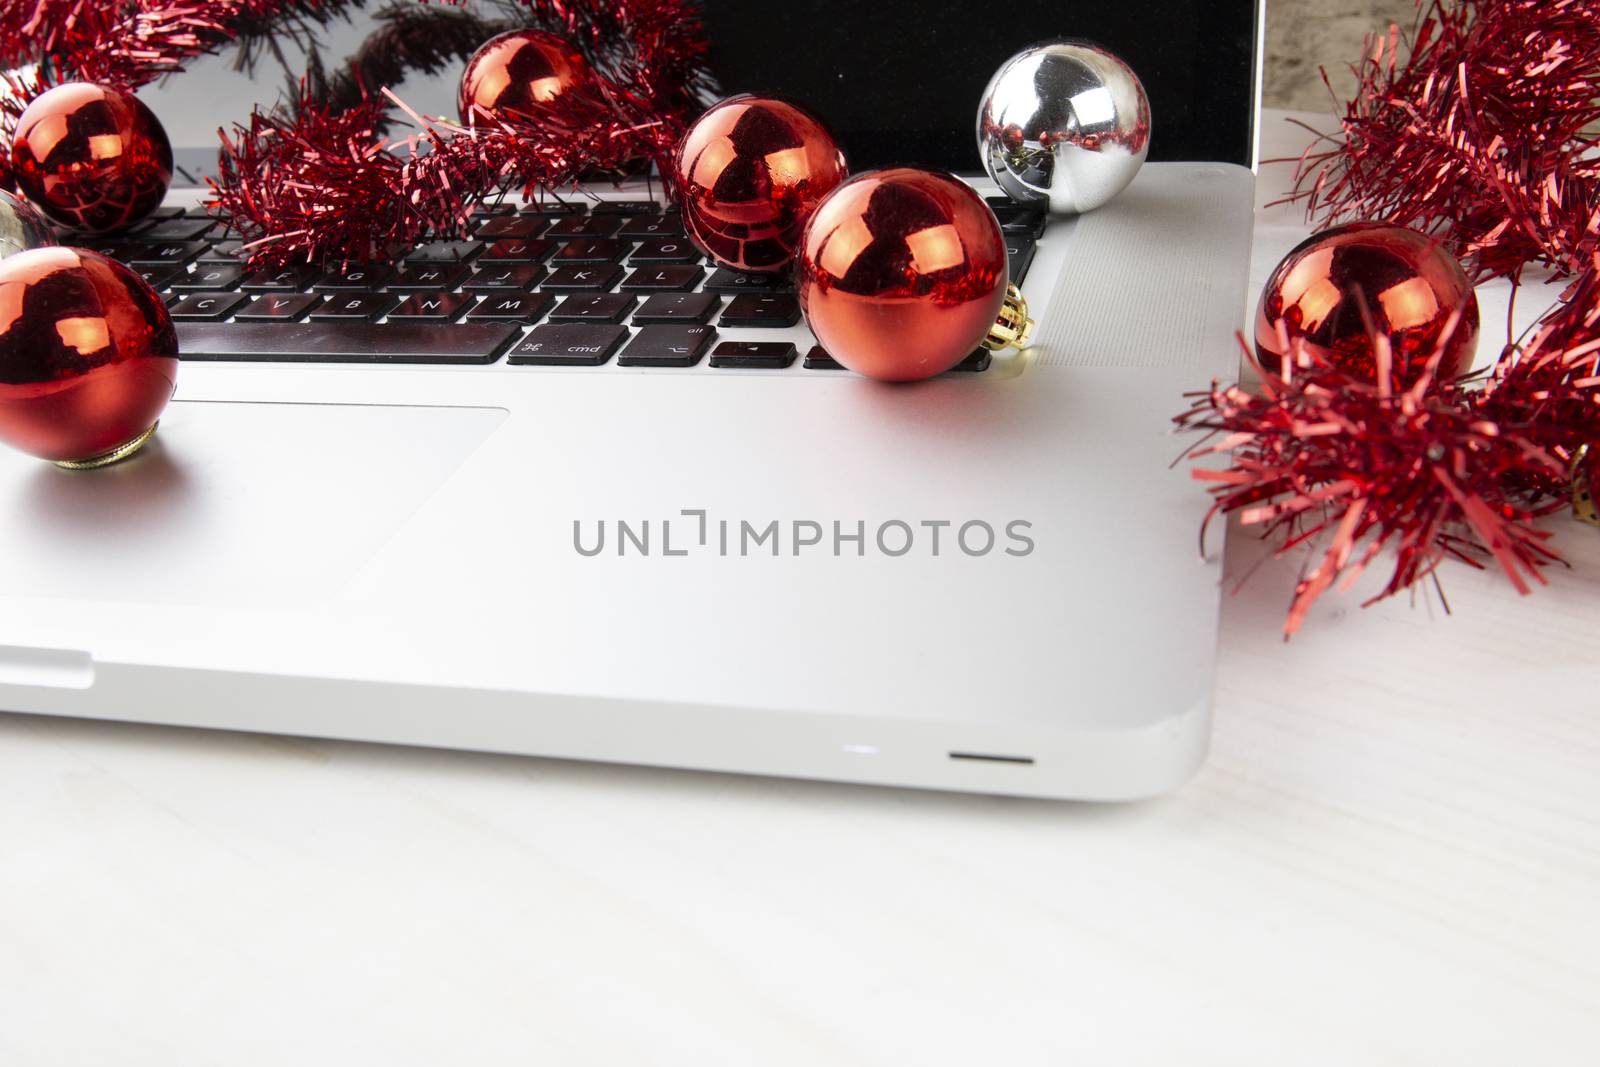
(1393, 857)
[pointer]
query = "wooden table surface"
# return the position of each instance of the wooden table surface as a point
(1392, 857)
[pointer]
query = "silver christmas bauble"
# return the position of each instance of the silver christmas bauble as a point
(21, 227)
(1065, 125)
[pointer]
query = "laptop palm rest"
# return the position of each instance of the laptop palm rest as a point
(190, 519)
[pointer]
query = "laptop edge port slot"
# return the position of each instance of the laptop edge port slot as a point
(984, 757)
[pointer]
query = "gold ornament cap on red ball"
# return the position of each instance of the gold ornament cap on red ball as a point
(902, 274)
(90, 157)
(88, 357)
(1585, 467)
(748, 174)
(1338, 289)
(515, 74)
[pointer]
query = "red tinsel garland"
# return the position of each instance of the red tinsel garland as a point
(1483, 132)
(1348, 468)
(317, 186)
(1479, 128)
(121, 43)
(310, 183)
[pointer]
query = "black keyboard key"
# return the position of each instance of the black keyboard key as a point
(667, 346)
(556, 209)
(486, 211)
(568, 345)
(665, 250)
(526, 308)
(206, 307)
(289, 280)
(445, 252)
(428, 276)
(818, 359)
(1019, 253)
(723, 280)
(355, 277)
(1021, 220)
(625, 207)
(214, 277)
(598, 277)
(761, 309)
(669, 276)
(430, 307)
(520, 226)
(177, 230)
(667, 308)
(517, 250)
(163, 213)
(223, 252)
(592, 250)
(346, 342)
(517, 277)
(770, 355)
(159, 278)
(586, 226)
(978, 361)
(112, 247)
(593, 307)
(653, 226)
(278, 307)
(358, 307)
(163, 253)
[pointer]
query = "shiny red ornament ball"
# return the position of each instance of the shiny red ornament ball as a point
(515, 74)
(1343, 287)
(902, 273)
(90, 157)
(88, 355)
(749, 172)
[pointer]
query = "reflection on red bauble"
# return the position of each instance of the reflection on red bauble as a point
(88, 355)
(1326, 292)
(902, 273)
(91, 158)
(516, 73)
(749, 173)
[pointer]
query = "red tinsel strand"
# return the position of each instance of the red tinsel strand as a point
(1548, 388)
(1349, 469)
(31, 30)
(1481, 132)
(322, 188)
(120, 43)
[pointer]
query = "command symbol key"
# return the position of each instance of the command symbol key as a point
(568, 345)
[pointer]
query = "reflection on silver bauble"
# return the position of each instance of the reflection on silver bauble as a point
(21, 227)
(1064, 124)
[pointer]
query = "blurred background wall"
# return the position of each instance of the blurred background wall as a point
(1305, 34)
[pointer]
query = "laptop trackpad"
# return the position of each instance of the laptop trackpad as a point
(232, 503)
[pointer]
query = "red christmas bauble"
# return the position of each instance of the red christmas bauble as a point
(749, 173)
(902, 273)
(88, 355)
(516, 73)
(91, 158)
(1328, 289)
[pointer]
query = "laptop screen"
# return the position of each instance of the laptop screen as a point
(898, 81)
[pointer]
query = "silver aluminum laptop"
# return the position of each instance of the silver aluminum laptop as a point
(986, 582)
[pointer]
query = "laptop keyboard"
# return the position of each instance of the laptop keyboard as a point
(572, 284)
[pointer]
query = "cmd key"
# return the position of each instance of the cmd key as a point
(568, 344)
